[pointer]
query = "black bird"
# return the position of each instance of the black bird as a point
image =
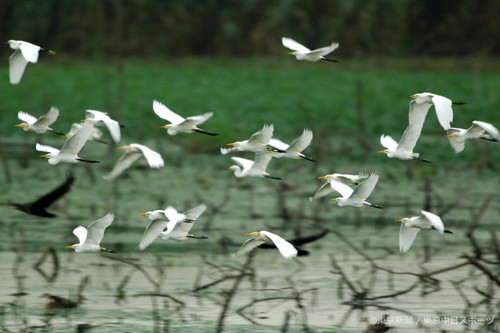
(38, 207)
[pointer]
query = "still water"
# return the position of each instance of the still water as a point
(117, 296)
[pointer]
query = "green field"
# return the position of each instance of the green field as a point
(356, 99)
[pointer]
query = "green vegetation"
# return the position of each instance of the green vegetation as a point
(358, 100)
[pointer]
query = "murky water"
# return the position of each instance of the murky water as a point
(153, 291)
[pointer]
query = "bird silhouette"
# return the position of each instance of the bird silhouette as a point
(39, 206)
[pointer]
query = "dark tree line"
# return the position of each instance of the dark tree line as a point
(254, 27)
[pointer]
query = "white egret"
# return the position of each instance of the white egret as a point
(40, 125)
(179, 124)
(356, 197)
(303, 53)
(280, 149)
(410, 226)
(442, 105)
(90, 237)
(327, 188)
(24, 52)
(249, 168)
(132, 153)
(458, 136)
(101, 118)
(286, 249)
(70, 149)
(170, 224)
(257, 142)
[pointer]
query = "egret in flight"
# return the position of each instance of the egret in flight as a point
(255, 168)
(24, 52)
(257, 142)
(286, 249)
(356, 197)
(132, 153)
(327, 187)
(102, 119)
(280, 149)
(40, 125)
(71, 148)
(90, 237)
(303, 53)
(169, 224)
(410, 226)
(179, 124)
(478, 130)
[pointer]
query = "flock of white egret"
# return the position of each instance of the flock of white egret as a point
(169, 224)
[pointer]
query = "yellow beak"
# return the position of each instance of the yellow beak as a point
(69, 247)
(398, 220)
(46, 156)
(18, 125)
(450, 135)
(144, 214)
(166, 126)
(323, 177)
(382, 151)
(412, 96)
(230, 144)
(247, 234)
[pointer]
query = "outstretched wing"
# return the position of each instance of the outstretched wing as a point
(293, 45)
(302, 142)
(17, 65)
(323, 191)
(164, 112)
(45, 148)
(55, 194)
(286, 249)
(26, 117)
(49, 118)
(152, 232)
(195, 212)
(197, 120)
(435, 220)
(263, 136)
(81, 233)
(457, 143)
(261, 161)
(344, 190)
(365, 188)
(74, 144)
(248, 246)
(29, 51)
(123, 163)
(96, 229)
(388, 142)
(243, 162)
(276, 143)
(444, 112)
(406, 237)
(481, 126)
(154, 159)
(325, 50)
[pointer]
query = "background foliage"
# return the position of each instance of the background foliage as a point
(253, 27)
